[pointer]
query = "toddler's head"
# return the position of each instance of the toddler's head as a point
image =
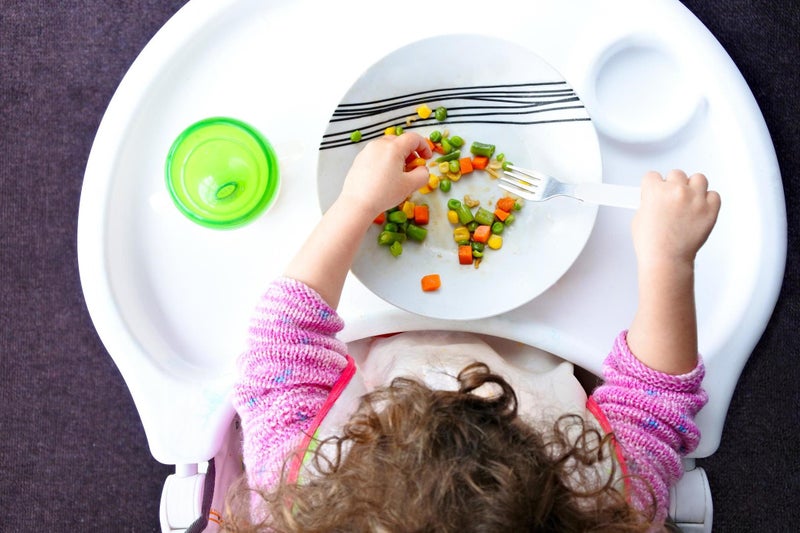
(416, 459)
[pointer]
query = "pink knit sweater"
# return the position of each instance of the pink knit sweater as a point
(294, 359)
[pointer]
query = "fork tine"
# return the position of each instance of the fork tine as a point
(516, 189)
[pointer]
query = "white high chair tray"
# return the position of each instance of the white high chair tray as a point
(171, 299)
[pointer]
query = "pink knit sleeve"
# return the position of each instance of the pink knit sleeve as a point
(285, 375)
(652, 416)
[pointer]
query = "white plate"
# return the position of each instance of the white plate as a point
(496, 92)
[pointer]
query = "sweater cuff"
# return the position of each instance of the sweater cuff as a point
(624, 361)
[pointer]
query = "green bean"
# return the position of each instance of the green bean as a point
(478, 246)
(453, 204)
(445, 185)
(390, 226)
(396, 248)
(456, 141)
(389, 237)
(448, 157)
(484, 216)
(398, 217)
(483, 149)
(440, 113)
(464, 214)
(416, 233)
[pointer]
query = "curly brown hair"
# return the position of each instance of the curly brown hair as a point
(416, 459)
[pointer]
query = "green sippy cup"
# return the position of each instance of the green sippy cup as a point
(222, 173)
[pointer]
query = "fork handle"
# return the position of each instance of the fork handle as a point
(608, 194)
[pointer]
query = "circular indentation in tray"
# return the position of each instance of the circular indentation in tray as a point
(639, 92)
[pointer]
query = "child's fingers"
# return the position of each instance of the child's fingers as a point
(412, 142)
(698, 182)
(651, 179)
(418, 177)
(676, 175)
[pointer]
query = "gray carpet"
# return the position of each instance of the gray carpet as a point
(73, 455)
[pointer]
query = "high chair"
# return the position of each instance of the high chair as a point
(170, 299)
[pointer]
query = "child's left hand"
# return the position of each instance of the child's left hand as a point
(377, 180)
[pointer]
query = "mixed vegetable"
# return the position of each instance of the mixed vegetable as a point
(477, 229)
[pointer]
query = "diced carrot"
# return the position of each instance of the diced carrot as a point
(479, 162)
(380, 219)
(482, 234)
(465, 254)
(437, 147)
(430, 143)
(421, 214)
(501, 215)
(466, 165)
(506, 203)
(431, 282)
(414, 163)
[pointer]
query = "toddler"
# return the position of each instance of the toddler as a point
(435, 431)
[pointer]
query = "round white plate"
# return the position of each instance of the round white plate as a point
(496, 92)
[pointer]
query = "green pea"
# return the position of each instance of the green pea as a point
(446, 146)
(440, 113)
(355, 136)
(435, 136)
(390, 226)
(478, 246)
(453, 204)
(509, 220)
(455, 166)
(398, 130)
(471, 225)
(506, 164)
(498, 227)
(445, 185)
(501, 157)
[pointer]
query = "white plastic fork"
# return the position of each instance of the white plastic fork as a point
(537, 187)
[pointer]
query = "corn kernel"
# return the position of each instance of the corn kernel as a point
(408, 208)
(425, 190)
(461, 234)
(452, 217)
(444, 168)
(495, 242)
(389, 131)
(454, 176)
(424, 111)
(433, 181)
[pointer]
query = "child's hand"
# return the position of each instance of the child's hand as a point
(675, 217)
(377, 181)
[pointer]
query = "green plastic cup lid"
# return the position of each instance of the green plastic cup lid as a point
(222, 173)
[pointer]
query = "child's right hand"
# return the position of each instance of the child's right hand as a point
(675, 217)
(377, 180)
